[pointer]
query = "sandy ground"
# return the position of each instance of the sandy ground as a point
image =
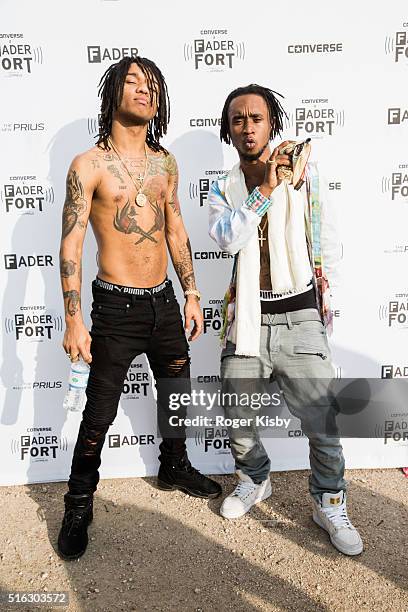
(154, 550)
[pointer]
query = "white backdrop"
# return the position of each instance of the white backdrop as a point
(343, 72)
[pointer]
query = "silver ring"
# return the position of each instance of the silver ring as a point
(271, 161)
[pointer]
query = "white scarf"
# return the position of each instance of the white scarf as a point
(289, 259)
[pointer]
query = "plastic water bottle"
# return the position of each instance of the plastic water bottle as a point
(75, 397)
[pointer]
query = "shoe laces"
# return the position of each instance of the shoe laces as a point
(338, 516)
(186, 466)
(244, 488)
(192, 470)
(74, 519)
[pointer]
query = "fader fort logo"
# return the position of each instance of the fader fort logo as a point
(33, 324)
(395, 185)
(137, 383)
(315, 118)
(213, 438)
(199, 189)
(26, 195)
(212, 317)
(18, 56)
(38, 444)
(214, 51)
(396, 45)
(395, 312)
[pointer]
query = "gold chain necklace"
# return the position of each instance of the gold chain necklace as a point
(140, 199)
(261, 236)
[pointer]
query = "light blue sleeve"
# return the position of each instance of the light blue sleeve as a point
(231, 228)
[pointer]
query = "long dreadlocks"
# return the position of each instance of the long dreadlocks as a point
(110, 90)
(275, 109)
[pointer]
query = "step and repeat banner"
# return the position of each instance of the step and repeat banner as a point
(343, 72)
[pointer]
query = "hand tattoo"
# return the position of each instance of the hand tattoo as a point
(75, 204)
(67, 268)
(73, 301)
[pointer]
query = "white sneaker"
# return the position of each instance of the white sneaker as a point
(244, 496)
(331, 515)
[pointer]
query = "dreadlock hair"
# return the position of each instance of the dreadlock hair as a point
(110, 90)
(275, 109)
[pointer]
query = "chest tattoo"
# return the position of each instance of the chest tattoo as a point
(126, 221)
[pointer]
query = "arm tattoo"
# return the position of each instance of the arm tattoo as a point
(73, 302)
(125, 221)
(75, 204)
(67, 268)
(170, 165)
(160, 166)
(184, 267)
(174, 203)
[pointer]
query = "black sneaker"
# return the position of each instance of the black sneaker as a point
(73, 537)
(176, 473)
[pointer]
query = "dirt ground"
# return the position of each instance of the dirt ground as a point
(154, 550)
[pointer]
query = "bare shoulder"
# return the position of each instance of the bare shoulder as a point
(170, 164)
(162, 163)
(87, 165)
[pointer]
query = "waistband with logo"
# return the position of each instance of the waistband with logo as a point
(98, 282)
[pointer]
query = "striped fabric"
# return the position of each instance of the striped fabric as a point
(257, 202)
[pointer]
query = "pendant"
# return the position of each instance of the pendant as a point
(141, 199)
(261, 238)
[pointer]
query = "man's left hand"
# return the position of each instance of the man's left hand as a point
(192, 313)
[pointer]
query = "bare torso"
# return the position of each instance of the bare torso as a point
(131, 239)
(264, 260)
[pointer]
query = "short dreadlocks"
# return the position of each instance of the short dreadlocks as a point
(275, 109)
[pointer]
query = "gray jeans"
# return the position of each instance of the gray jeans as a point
(293, 350)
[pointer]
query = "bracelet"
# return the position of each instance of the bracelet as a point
(192, 292)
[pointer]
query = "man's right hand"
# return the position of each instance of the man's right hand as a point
(270, 178)
(77, 342)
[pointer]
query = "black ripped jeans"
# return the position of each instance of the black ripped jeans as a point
(123, 327)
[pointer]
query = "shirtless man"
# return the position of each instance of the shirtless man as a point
(127, 187)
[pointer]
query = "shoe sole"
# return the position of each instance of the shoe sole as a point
(164, 486)
(265, 496)
(70, 557)
(346, 551)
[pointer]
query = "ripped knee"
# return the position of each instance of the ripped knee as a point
(177, 366)
(92, 439)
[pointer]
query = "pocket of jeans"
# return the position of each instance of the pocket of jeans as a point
(307, 349)
(228, 350)
(109, 309)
